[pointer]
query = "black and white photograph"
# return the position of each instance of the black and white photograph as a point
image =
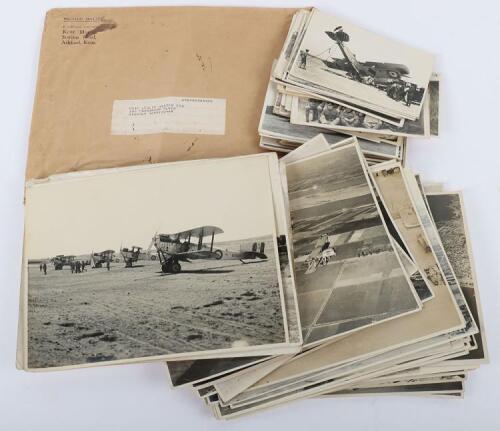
(332, 116)
(188, 372)
(336, 55)
(423, 291)
(434, 105)
(347, 273)
(448, 214)
(434, 241)
(274, 125)
(211, 280)
(277, 126)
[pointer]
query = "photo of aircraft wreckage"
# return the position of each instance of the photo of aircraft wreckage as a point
(389, 77)
(179, 247)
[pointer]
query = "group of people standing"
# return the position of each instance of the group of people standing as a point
(77, 266)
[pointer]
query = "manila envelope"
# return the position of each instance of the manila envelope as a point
(125, 86)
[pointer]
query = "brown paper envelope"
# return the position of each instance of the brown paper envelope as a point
(91, 57)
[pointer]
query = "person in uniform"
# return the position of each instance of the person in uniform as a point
(410, 94)
(350, 118)
(329, 114)
(44, 268)
(312, 114)
(108, 265)
(370, 122)
(303, 59)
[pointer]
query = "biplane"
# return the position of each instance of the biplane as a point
(98, 259)
(321, 254)
(135, 253)
(61, 260)
(180, 247)
(386, 76)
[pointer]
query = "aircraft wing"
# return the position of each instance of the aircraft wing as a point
(196, 232)
(193, 254)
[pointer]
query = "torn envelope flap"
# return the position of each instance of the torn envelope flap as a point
(204, 116)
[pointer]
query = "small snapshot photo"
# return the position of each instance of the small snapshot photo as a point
(161, 260)
(347, 273)
(330, 115)
(339, 56)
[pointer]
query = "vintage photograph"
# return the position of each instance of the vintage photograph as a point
(188, 372)
(434, 105)
(338, 56)
(208, 281)
(347, 273)
(332, 116)
(434, 241)
(447, 212)
(277, 126)
(419, 284)
(274, 125)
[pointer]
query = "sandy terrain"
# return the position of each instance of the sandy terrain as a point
(124, 313)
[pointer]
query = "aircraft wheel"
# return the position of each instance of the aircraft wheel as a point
(218, 254)
(153, 257)
(128, 264)
(175, 267)
(165, 267)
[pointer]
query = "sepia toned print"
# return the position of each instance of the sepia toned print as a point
(448, 215)
(434, 105)
(184, 372)
(335, 55)
(196, 289)
(339, 243)
(332, 116)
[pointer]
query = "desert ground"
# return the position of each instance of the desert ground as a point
(125, 313)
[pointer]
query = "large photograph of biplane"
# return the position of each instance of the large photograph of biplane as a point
(190, 266)
(335, 55)
(347, 273)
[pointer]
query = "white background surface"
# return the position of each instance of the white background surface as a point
(464, 35)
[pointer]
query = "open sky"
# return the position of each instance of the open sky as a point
(78, 215)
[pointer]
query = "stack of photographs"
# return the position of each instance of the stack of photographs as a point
(385, 286)
(335, 78)
(332, 271)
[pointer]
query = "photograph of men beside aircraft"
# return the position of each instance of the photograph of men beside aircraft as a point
(170, 250)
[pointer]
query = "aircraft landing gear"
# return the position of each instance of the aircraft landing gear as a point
(171, 266)
(218, 254)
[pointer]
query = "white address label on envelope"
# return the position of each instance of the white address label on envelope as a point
(191, 115)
